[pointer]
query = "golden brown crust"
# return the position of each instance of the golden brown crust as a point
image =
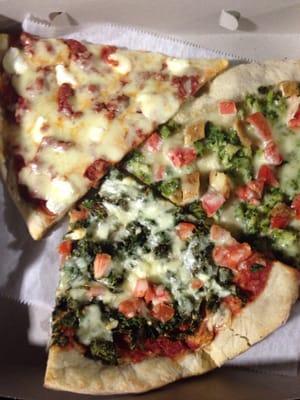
(71, 371)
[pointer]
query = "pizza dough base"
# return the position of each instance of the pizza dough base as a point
(71, 371)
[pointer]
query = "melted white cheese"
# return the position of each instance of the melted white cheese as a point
(64, 76)
(124, 64)
(91, 326)
(36, 130)
(14, 62)
(177, 66)
(158, 107)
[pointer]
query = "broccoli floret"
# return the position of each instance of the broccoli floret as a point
(104, 350)
(285, 240)
(234, 157)
(199, 147)
(169, 187)
(164, 132)
(217, 137)
(241, 165)
(269, 101)
(248, 215)
(256, 219)
(169, 129)
(273, 197)
(137, 165)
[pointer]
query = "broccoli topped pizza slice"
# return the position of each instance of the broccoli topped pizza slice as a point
(71, 109)
(148, 294)
(234, 155)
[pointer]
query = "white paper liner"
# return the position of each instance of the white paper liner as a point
(29, 269)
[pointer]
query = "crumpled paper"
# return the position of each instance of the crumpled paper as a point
(29, 270)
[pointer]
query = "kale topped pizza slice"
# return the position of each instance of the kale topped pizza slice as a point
(72, 109)
(149, 294)
(234, 155)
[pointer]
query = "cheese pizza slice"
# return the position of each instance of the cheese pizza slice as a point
(233, 154)
(72, 109)
(149, 294)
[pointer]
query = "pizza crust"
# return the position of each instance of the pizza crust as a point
(71, 371)
(236, 83)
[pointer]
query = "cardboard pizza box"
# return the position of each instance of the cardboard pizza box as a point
(266, 30)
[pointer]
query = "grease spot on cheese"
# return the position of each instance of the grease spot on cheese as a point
(13, 62)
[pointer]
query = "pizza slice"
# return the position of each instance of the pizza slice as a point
(234, 155)
(72, 109)
(149, 294)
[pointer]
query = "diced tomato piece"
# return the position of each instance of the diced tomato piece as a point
(260, 123)
(267, 175)
(233, 303)
(156, 294)
(197, 284)
(65, 249)
(153, 143)
(296, 205)
(227, 107)
(78, 215)
(159, 172)
(162, 295)
(221, 236)
(251, 192)
(231, 256)
(212, 201)
(182, 156)
(163, 312)
(131, 307)
(272, 154)
(295, 121)
(281, 216)
(101, 266)
(141, 288)
(185, 229)
(150, 294)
